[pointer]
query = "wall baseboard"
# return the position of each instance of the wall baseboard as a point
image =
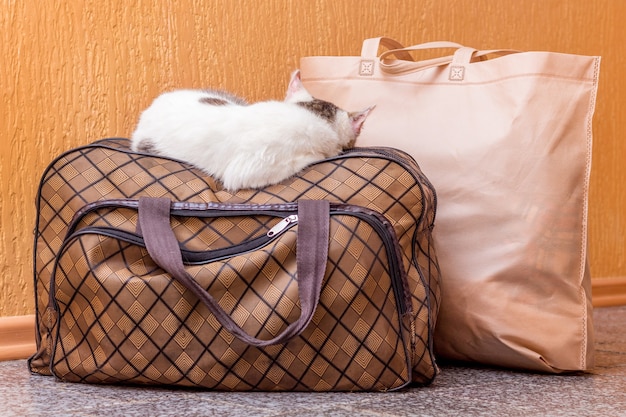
(17, 333)
(17, 337)
(609, 291)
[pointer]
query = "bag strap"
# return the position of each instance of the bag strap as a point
(371, 46)
(311, 258)
(463, 55)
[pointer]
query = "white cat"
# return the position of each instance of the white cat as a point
(246, 146)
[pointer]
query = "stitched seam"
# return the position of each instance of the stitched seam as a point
(583, 247)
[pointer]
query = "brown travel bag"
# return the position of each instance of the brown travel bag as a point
(148, 272)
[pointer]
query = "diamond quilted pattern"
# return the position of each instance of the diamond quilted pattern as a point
(121, 321)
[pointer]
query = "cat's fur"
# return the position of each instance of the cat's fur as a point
(246, 146)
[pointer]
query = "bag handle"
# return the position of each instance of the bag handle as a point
(462, 56)
(311, 258)
(371, 46)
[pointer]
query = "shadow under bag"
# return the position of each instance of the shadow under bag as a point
(148, 272)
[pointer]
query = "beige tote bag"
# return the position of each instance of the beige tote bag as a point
(505, 138)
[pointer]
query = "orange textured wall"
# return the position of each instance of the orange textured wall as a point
(75, 71)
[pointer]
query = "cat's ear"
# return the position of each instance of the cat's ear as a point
(358, 118)
(296, 90)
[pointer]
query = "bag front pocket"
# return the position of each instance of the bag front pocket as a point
(123, 318)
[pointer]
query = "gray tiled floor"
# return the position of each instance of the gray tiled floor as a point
(458, 391)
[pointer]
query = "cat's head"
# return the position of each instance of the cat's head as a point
(348, 125)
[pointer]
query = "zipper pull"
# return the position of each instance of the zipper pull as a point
(282, 225)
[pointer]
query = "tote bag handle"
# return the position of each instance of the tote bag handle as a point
(311, 258)
(404, 62)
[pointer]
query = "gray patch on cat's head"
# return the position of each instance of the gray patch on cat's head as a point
(323, 109)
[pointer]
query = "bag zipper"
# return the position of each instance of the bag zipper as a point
(376, 220)
(282, 225)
